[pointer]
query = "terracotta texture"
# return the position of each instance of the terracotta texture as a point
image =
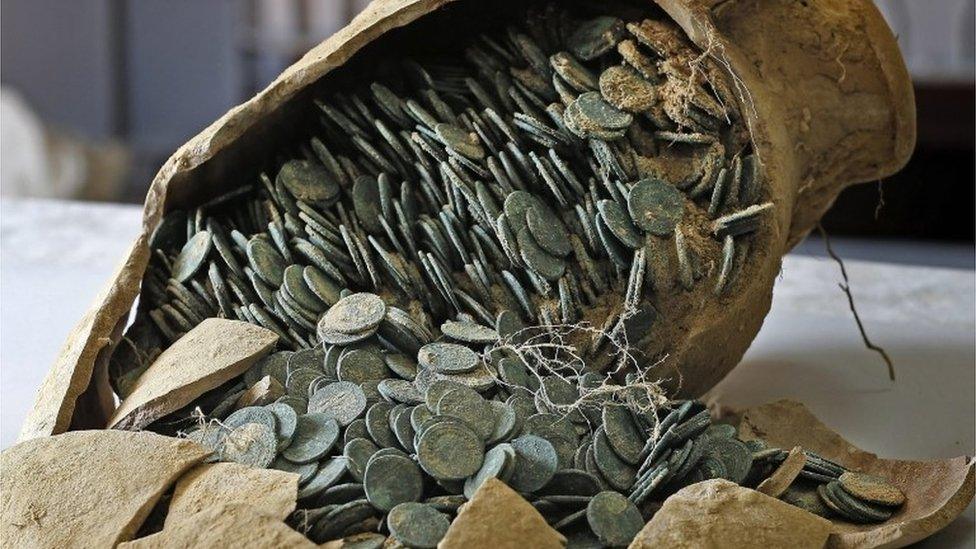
(214, 352)
(499, 518)
(719, 513)
(87, 488)
(269, 491)
(937, 491)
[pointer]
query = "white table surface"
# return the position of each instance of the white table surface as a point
(55, 257)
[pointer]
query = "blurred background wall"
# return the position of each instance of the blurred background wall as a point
(97, 93)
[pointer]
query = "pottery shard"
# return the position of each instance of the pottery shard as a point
(936, 491)
(230, 525)
(210, 354)
(784, 475)
(270, 492)
(262, 393)
(499, 518)
(87, 488)
(719, 513)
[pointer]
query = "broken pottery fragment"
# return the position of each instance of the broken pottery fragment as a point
(269, 491)
(499, 518)
(262, 393)
(784, 475)
(719, 513)
(230, 525)
(936, 491)
(215, 351)
(86, 488)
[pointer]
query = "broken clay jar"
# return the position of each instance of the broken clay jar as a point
(821, 85)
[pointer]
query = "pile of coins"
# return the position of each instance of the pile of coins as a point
(375, 434)
(442, 220)
(542, 173)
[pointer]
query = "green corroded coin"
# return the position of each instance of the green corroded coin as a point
(556, 429)
(616, 471)
(622, 433)
(305, 471)
(850, 507)
(366, 202)
(595, 117)
(573, 482)
(275, 365)
(252, 444)
(354, 314)
(400, 390)
(548, 231)
(468, 406)
(251, 414)
(342, 401)
(417, 525)
(498, 461)
(448, 358)
(627, 90)
(329, 472)
(506, 421)
(192, 256)
(735, 455)
(315, 435)
(613, 518)
(450, 451)
(391, 480)
(300, 380)
(655, 206)
(573, 72)
(803, 494)
(594, 37)
(469, 332)
(464, 143)
(308, 181)
(547, 265)
(871, 488)
(321, 285)
(536, 462)
(515, 373)
(286, 421)
(357, 453)
(401, 365)
(361, 365)
(559, 395)
(267, 263)
(378, 424)
(619, 223)
(296, 287)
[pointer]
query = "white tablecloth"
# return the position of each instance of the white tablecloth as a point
(55, 256)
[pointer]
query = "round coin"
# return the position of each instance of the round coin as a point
(535, 463)
(192, 256)
(286, 421)
(354, 314)
(342, 401)
(498, 460)
(448, 358)
(315, 435)
(613, 518)
(390, 480)
(655, 206)
(450, 450)
(417, 525)
(252, 444)
(308, 181)
(469, 332)
(871, 488)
